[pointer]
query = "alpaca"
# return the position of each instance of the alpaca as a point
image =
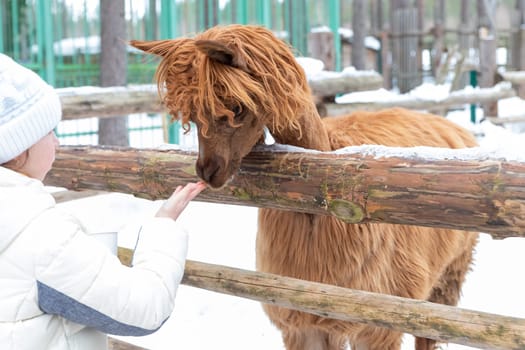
(232, 82)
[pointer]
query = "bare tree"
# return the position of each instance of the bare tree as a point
(113, 67)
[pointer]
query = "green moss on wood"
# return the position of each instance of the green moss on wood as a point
(111, 183)
(190, 170)
(346, 211)
(382, 194)
(241, 193)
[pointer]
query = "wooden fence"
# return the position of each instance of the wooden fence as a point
(496, 195)
(78, 103)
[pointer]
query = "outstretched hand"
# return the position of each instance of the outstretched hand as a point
(179, 199)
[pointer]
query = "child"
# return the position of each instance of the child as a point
(60, 288)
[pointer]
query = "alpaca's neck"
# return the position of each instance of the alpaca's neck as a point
(313, 134)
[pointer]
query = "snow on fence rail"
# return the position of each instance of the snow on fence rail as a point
(515, 77)
(455, 98)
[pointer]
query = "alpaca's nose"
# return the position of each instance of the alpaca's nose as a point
(206, 170)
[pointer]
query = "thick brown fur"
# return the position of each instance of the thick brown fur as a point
(231, 82)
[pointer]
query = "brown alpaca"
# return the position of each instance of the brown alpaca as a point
(233, 81)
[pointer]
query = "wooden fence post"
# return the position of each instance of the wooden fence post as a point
(521, 88)
(386, 66)
(487, 61)
(321, 46)
(359, 29)
(517, 43)
(465, 41)
(405, 35)
(439, 36)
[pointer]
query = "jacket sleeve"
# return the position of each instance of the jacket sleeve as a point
(79, 279)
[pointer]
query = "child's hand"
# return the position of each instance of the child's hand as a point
(180, 199)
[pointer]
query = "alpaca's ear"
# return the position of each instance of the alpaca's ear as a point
(156, 47)
(219, 52)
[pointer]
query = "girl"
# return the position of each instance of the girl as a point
(60, 288)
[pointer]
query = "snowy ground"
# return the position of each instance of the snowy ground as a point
(224, 234)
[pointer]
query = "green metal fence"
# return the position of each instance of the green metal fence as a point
(60, 39)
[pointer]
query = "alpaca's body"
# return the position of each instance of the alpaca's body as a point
(231, 82)
(408, 261)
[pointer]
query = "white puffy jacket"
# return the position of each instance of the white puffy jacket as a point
(62, 289)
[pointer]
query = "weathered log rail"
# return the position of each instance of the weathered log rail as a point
(455, 98)
(117, 344)
(507, 120)
(364, 184)
(421, 318)
(100, 102)
(105, 102)
(339, 83)
(514, 77)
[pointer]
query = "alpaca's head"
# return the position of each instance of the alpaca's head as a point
(230, 81)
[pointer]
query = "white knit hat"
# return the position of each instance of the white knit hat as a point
(29, 109)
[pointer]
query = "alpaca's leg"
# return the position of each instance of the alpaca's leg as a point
(374, 338)
(448, 289)
(311, 339)
(425, 344)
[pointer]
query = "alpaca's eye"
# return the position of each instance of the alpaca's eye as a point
(223, 119)
(238, 112)
(238, 116)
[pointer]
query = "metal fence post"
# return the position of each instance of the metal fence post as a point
(296, 24)
(241, 12)
(14, 29)
(45, 42)
(264, 13)
(334, 11)
(1, 30)
(168, 29)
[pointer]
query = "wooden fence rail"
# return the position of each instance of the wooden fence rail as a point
(417, 317)
(515, 77)
(100, 102)
(420, 318)
(92, 101)
(104, 102)
(455, 98)
(117, 344)
(458, 189)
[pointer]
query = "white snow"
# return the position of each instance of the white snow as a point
(314, 70)
(225, 234)
(437, 154)
(371, 42)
